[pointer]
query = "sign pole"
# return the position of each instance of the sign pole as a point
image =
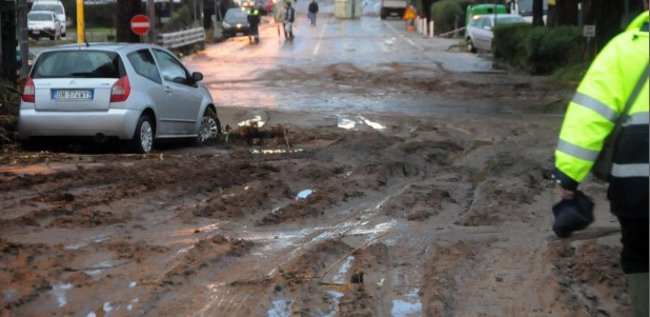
(81, 28)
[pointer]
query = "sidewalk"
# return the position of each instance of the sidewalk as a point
(443, 51)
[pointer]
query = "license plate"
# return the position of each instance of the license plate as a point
(72, 94)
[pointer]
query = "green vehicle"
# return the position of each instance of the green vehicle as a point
(481, 9)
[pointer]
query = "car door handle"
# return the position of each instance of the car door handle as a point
(168, 89)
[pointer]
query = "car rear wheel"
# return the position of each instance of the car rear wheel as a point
(144, 135)
(210, 126)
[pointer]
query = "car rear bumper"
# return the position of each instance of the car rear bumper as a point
(112, 123)
(41, 32)
(243, 31)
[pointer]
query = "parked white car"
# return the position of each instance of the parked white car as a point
(43, 24)
(135, 92)
(54, 6)
(479, 33)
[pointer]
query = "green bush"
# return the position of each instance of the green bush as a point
(446, 15)
(100, 16)
(182, 19)
(538, 50)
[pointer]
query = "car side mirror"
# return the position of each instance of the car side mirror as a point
(197, 77)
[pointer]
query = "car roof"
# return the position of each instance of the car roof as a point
(41, 11)
(503, 15)
(104, 46)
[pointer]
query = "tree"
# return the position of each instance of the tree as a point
(8, 39)
(566, 12)
(538, 12)
(126, 9)
(606, 16)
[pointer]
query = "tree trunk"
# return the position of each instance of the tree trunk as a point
(567, 12)
(126, 9)
(538, 12)
(606, 16)
(8, 39)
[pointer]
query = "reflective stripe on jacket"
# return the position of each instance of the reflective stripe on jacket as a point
(599, 101)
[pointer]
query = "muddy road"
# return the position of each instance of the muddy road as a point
(374, 182)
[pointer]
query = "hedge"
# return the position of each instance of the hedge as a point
(538, 50)
(447, 15)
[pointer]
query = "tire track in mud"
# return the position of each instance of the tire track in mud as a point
(392, 233)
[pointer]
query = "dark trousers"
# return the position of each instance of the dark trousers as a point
(634, 258)
(633, 217)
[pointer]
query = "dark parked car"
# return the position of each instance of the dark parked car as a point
(235, 23)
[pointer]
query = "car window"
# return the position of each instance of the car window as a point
(144, 65)
(234, 14)
(170, 68)
(78, 64)
(40, 16)
(48, 7)
(511, 19)
(487, 22)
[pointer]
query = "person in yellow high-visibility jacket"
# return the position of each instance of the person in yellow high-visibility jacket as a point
(618, 76)
(409, 17)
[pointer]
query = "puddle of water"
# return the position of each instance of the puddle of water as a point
(374, 125)
(334, 306)
(402, 308)
(276, 151)
(96, 239)
(75, 246)
(280, 308)
(303, 194)
(342, 272)
(350, 124)
(256, 120)
(378, 229)
(59, 291)
(346, 124)
(411, 306)
(107, 307)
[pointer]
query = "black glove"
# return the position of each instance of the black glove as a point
(572, 214)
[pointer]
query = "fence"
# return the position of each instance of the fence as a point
(182, 38)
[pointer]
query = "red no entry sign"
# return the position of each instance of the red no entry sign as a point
(140, 24)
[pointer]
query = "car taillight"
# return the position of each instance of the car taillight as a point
(121, 90)
(29, 92)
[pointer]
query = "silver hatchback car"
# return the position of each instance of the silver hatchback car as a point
(136, 92)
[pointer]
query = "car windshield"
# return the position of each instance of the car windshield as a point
(48, 7)
(235, 14)
(78, 64)
(40, 17)
(508, 20)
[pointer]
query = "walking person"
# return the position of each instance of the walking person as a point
(289, 19)
(312, 12)
(278, 16)
(254, 23)
(613, 95)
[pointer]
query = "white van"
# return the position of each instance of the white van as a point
(392, 7)
(54, 6)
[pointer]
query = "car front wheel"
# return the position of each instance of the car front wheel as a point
(210, 126)
(144, 135)
(470, 45)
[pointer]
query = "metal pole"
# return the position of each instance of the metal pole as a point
(151, 13)
(81, 28)
(22, 38)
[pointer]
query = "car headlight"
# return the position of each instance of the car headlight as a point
(226, 25)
